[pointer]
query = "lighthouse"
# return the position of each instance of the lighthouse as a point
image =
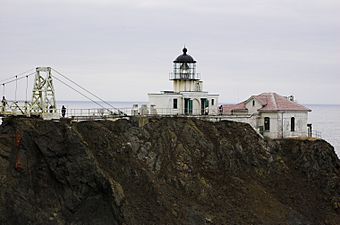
(184, 74)
(187, 96)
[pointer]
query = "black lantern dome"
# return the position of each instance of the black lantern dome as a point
(184, 67)
(184, 58)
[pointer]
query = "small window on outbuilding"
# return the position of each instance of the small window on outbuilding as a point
(175, 103)
(266, 123)
(253, 103)
(212, 101)
(292, 124)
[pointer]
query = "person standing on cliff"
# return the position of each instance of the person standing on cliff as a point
(63, 111)
(4, 102)
(220, 109)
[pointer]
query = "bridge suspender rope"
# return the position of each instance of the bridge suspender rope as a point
(26, 88)
(13, 107)
(13, 78)
(16, 88)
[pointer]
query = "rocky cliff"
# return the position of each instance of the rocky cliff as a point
(168, 171)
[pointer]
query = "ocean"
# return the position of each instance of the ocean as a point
(326, 119)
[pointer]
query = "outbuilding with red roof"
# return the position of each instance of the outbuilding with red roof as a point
(273, 115)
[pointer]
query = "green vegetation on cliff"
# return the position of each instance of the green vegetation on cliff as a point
(170, 171)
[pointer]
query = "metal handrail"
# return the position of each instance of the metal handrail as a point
(184, 76)
(136, 111)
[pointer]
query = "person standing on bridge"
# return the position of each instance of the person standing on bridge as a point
(63, 111)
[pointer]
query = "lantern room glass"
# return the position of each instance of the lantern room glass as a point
(184, 71)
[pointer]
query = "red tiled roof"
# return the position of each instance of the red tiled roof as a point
(275, 102)
(270, 102)
(229, 108)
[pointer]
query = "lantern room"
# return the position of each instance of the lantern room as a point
(184, 68)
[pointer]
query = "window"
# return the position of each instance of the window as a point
(292, 124)
(266, 123)
(253, 103)
(212, 101)
(175, 103)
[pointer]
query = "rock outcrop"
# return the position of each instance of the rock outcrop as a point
(168, 171)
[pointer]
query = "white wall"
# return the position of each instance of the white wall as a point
(250, 119)
(163, 102)
(282, 128)
(278, 128)
(301, 120)
(187, 85)
(253, 109)
(275, 124)
(192, 89)
(213, 109)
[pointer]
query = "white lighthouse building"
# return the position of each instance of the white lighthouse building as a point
(187, 96)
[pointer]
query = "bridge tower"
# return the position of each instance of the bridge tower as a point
(43, 99)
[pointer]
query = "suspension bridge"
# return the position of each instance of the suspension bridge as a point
(32, 94)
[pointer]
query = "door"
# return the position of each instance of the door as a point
(187, 106)
(190, 106)
(204, 106)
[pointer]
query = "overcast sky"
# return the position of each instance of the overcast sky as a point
(123, 49)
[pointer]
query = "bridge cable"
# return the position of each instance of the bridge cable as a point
(85, 89)
(81, 93)
(17, 75)
(17, 79)
(107, 103)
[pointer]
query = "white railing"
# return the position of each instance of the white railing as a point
(24, 108)
(14, 108)
(93, 113)
(184, 76)
(173, 112)
(290, 134)
(102, 113)
(315, 133)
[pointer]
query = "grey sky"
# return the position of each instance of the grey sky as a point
(124, 49)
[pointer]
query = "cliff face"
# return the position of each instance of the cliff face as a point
(170, 171)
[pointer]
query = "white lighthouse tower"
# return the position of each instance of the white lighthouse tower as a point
(184, 76)
(187, 96)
